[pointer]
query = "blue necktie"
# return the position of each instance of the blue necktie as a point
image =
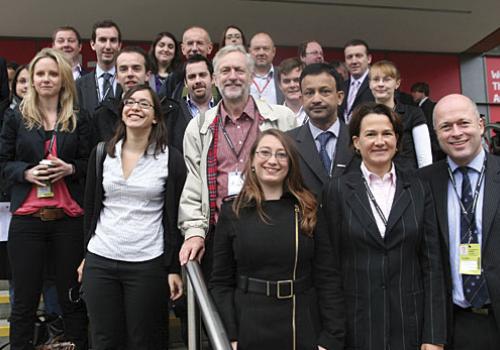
(323, 139)
(475, 290)
(107, 87)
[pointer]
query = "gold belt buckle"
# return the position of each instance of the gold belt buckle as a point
(278, 289)
(481, 311)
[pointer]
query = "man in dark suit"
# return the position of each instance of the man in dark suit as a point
(466, 187)
(420, 95)
(265, 84)
(356, 88)
(198, 79)
(94, 88)
(67, 40)
(322, 142)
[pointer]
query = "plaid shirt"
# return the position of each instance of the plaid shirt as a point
(212, 169)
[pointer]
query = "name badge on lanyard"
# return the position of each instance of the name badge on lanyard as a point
(470, 259)
(234, 183)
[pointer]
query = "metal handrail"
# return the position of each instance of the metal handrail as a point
(213, 323)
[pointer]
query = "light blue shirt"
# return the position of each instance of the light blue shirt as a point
(100, 80)
(332, 142)
(454, 220)
(193, 108)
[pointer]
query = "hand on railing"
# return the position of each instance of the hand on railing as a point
(192, 249)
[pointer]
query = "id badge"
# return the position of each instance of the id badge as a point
(470, 259)
(234, 183)
(45, 191)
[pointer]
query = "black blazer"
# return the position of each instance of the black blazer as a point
(172, 239)
(311, 167)
(87, 92)
(428, 108)
(21, 149)
(4, 80)
(393, 286)
(437, 175)
(364, 95)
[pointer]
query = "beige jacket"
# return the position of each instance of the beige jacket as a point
(194, 207)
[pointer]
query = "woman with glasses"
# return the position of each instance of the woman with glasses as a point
(415, 151)
(165, 56)
(271, 266)
(383, 229)
(232, 35)
(132, 241)
(43, 152)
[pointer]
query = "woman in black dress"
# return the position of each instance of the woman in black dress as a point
(270, 266)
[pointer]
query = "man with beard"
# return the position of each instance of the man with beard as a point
(198, 72)
(94, 88)
(132, 68)
(311, 52)
(216, 147)
(265, 81)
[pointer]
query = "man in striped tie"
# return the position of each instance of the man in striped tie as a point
(465, 187)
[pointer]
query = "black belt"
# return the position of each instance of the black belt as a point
(284, 289)
(485, 310)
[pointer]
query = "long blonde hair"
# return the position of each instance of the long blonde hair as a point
(32, 116)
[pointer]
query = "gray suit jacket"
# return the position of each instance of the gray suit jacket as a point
(311, 167)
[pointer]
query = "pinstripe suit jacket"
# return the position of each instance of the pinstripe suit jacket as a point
(393, 286)
(437, 175)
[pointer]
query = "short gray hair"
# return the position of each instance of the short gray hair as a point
(250, 63)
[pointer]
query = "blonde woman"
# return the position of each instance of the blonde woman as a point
(43, 151)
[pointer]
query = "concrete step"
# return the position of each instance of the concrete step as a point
(4, 304)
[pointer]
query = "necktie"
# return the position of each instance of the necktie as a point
(353, 91)
(474, 287)
(107, 87)
(323, 139)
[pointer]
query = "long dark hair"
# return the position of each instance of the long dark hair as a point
(252, 195)
(176, 61)
(13, 86)
(158, 135)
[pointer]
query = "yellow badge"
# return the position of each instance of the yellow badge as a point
(470, 259)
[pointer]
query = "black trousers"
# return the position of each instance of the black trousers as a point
(475, 332)
(30, 239)
(127, 303)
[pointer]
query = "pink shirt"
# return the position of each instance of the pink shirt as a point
(242, 132)
(62, 198)
(383, 189)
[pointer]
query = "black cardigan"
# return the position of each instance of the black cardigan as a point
(172, 239)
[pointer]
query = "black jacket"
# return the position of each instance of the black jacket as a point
(22, 149)
(94, 196)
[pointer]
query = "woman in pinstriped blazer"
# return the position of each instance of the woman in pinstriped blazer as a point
(383, 229)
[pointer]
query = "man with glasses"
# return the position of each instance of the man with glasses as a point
(132, 68)
(216, 147)
(311, 52)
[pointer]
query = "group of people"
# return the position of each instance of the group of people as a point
(327, 210)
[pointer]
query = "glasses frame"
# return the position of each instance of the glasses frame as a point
(280, 156)
(143, 104)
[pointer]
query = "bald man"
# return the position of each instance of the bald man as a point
(466, 186)
(265, 84)
(195, 41)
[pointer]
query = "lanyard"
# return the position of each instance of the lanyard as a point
(98, 91)
(52, 140)
(470, 217)
(229, 142)
(374, 202)
(259, 90)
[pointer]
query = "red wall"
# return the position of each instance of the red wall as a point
(441, 71)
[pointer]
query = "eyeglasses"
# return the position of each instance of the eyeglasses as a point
(233, 36)
(143, 104)
(281, 156)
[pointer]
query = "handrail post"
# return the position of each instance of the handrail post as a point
(194, 319)
(213, 323)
